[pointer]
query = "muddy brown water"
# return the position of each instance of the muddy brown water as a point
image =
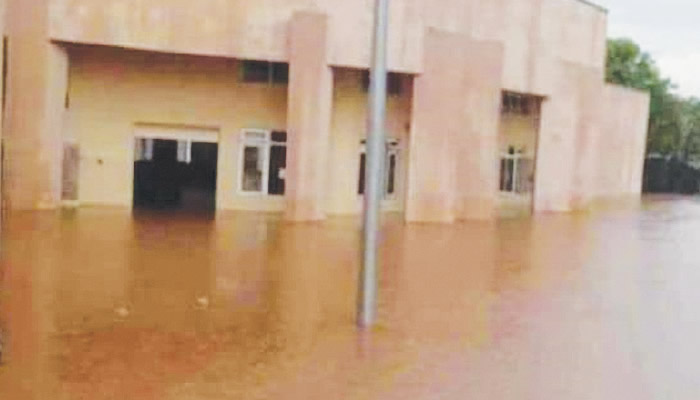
(99, 304)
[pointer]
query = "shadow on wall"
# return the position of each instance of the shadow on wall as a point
(670, 175)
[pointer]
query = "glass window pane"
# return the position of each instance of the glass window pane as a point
(525, 105)
(280, 73)
(278, 164)
(506, 175)
(524, 178)
(510, 170)
(361, 179)
(391, 179)
(256, 71)
(252, 169)
(393, 84)
(279, 137)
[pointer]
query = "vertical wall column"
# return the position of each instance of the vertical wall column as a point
(309, 117)
(570, 131)
(478, 163)
(453, 144)
(588, 136)
(36, 90)
(620, 156)
(437, 116)
(556, 144)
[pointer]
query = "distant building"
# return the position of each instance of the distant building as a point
(495, 107)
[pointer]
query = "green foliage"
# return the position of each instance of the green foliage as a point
(674, 122)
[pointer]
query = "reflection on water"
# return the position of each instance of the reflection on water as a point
(96, 304)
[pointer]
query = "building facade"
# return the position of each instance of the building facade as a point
(495, 107)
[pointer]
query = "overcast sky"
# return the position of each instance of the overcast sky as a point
(668, 29)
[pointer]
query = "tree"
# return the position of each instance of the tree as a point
(629, 66)
(689, 145)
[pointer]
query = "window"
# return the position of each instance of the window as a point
(520, 104)
(393, 83)
(265, 72)
(263, 162)
(391, 163)
(516, 172)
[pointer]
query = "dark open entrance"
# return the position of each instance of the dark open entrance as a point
(175, 175)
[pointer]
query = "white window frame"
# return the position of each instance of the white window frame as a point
(513, 178)
(265, 145)
(146, 134)
(516, 157)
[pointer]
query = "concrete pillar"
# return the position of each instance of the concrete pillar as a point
(588, 136)
(621, 156)
(556, 144)
(309, 117)
(568, 140)
(454, 130)
(437, 115)
(478, 168)
(37, 83)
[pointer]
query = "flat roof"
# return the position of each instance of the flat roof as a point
(594, 5)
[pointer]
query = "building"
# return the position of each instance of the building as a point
(495, 107)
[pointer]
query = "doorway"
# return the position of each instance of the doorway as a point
(519, 130)
(175, 175)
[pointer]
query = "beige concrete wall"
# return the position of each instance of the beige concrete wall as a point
(568, 131)
(36, 91)
(536, 33)
(591, 141)
(553, 48)
(234, 28)
(477, 171)
(112, 90)
(621, 149)
(454, 130)
(349, 128)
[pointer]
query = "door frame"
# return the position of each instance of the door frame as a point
(201, 134)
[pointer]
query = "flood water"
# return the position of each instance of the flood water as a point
(97, 304)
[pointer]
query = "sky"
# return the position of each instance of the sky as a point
(668, 30)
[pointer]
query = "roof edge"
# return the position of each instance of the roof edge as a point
(594, 5)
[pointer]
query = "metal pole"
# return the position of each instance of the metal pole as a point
(375, 153)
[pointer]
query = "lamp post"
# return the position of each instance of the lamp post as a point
(375, 153)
